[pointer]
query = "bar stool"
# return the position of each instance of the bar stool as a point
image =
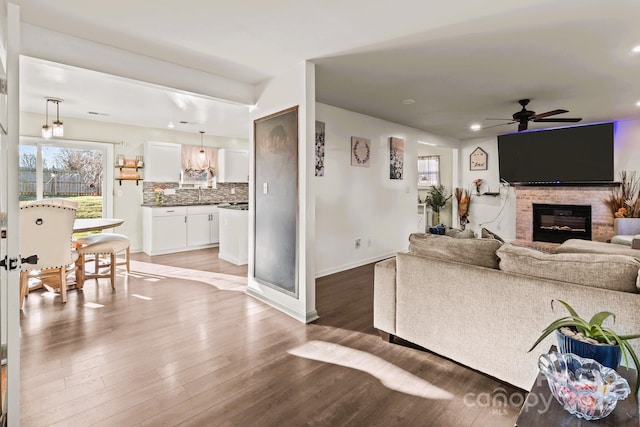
(101, 244)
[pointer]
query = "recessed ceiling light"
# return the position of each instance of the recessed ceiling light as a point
(475, 127)
(171, 125)
(638, 104)
(408, 101)
(636, 49)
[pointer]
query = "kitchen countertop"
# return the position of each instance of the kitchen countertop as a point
(169, 205)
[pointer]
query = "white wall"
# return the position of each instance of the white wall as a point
(356, 202)
(296, 87)
(498, 213)
(126, 206)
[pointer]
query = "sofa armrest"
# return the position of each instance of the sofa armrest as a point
(384, 296)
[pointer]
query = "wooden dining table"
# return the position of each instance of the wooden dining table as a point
(82, 225)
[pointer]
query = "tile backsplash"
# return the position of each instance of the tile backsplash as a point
(222, 193)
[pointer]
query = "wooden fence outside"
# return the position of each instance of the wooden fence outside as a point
(63, 184)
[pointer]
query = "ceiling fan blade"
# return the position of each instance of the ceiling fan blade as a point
(501, 124)
(522, 126)
(567, 120)
(548, 113)
(509, 119)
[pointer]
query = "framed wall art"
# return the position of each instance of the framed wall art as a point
(276, 200)
(360, 152)
(478, 160)
(396, 158)
(319, 148)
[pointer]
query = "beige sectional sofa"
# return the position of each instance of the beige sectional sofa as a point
(483, 303)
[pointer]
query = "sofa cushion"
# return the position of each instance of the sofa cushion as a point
(480, 252)
(577, 246)
(461, 234)
(614, 272)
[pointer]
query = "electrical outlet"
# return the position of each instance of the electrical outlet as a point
(169, 191)
(233, 191)
(358, 243)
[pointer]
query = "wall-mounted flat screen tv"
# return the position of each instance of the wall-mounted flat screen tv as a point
(564, 156)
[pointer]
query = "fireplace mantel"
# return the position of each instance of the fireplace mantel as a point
(601, 217)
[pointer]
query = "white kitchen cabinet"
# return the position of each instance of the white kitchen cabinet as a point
(234, 236)
(163, 161)
(233, 165)
(164, 230)
(202, 225)
(180, 228)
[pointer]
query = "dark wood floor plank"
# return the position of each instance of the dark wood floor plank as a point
(180, 343)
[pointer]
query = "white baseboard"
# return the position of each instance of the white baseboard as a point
(354, 264)
(306, 318)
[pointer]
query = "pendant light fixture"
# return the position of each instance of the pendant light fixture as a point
(202, 153)
(57, 129)
(47, 131)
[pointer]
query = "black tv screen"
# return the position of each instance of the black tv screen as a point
(572, 155)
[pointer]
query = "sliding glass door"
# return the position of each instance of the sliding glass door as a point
(75, 170)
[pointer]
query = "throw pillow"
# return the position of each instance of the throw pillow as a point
(480, 252)
(486, 234)
(614, 272)
(461, 234)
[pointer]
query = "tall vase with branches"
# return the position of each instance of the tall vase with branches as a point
(436, 199)
(464, 198)
(624, 200)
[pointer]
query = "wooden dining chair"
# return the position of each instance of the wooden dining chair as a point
(95, 245)
(46, 231)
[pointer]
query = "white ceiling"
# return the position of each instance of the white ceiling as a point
(461, 61)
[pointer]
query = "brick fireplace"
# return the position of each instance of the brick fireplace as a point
(601, 217)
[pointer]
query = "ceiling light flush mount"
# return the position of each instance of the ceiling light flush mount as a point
(475, 127)
(57, 129)
(636, 49)
(408, 101)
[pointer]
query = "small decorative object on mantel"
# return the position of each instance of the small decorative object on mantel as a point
(396, 158)
(120, 160)
(478, 183)
(360, 152)
(478, 160)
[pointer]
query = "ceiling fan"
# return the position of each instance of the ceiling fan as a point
(524, 116)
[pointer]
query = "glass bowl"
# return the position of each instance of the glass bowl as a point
(583, 387)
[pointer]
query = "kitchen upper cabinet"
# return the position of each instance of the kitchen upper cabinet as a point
(162, 161)
(233, 165)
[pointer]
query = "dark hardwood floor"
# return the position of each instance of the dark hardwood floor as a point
(179, 343)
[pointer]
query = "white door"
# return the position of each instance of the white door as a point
(9, 253)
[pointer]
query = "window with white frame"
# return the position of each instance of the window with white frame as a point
(428, 171)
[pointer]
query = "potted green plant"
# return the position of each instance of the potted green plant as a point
(590, 339)
(436, 199)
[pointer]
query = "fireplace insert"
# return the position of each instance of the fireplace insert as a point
(557, 223)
